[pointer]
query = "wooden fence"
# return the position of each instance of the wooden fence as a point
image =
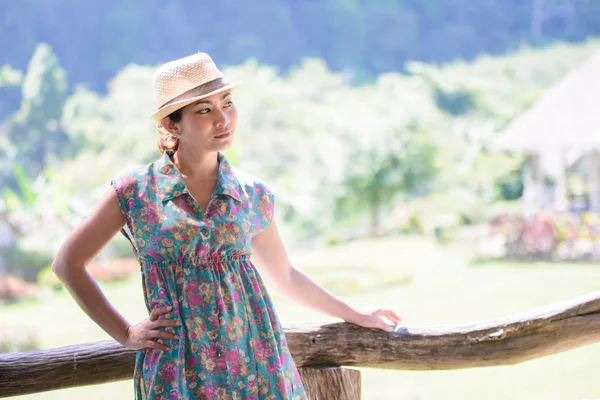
(321, 351)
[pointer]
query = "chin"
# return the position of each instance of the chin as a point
(224, 144)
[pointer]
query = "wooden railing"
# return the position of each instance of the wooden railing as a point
(321, 350)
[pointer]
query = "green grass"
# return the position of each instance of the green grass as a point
(424, 282)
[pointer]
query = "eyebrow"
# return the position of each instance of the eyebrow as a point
(210, 102)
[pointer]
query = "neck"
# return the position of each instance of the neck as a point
(195, 165)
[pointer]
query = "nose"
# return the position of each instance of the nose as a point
(221, 120)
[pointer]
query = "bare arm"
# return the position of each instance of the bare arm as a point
(81, 247)
(273, 259)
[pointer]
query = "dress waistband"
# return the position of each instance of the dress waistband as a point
(192, 259)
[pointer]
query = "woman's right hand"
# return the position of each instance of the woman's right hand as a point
(143, 334)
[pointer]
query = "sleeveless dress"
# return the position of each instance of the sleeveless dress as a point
(231, 344)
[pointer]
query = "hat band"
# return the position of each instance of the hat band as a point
(205, 88)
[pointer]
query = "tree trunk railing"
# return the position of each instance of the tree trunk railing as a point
(320, 350)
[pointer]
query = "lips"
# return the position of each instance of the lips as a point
(223, 135)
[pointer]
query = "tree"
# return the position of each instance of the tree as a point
(389, 147)
(97, 38)
(375, 177)
(10, 90)
(35, 130)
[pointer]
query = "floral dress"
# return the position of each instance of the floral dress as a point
(231, 344)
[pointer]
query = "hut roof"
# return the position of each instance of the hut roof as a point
(566, 117)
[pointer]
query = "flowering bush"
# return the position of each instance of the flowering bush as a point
(13, 288)
(550, 236)
(113, 270)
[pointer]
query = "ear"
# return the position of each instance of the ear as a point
(168, 125)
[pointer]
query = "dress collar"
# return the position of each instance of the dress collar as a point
(171, 183)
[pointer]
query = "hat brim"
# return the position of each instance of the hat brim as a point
(168, 109)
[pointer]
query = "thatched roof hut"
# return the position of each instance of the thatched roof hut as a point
(558, 132)
(566, 117)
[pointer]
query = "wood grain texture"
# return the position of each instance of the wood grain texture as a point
(331, 383)
(553, 329)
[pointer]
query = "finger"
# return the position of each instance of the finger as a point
(168, 322)
(389, 314)
(164, 323)
(393, 317)
(155, 313)
(162, 334)
(384, 326)
(379, 323)
(379, 312)
(166, 309)
(155, 345)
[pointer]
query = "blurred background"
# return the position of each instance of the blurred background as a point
(438, 157)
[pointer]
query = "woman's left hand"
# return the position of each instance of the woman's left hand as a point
(375, 318)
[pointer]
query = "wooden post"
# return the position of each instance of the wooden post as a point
(594, 183)
(533, 186)
(326, 383)
(561, 203)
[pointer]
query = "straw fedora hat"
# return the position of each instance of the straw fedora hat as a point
(186, 80)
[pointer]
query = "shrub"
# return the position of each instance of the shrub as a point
(18, 340)
(550, 236)
(14, 288)
(113, 270)
(48, 278)
(26, 264)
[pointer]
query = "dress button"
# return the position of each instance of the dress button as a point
(204, 232)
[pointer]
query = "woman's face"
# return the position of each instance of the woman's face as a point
(208, 124)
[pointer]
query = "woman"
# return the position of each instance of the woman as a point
(194, 220)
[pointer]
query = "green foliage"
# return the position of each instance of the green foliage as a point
(10, 90)
(323, 144)
(26, 196)
(10, 76)
(25, 263)
(339, 157)
(45, 197)
(47, 277)
(511, 187)
(96, 39)
(120, 247)
(374, 177)
(501, 87)
(308, 133)
(35, 131)
(15, 345)
(38, 214)
(113, 131)
(456, 102)
(493, 91)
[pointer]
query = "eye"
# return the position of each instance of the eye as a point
(229, 103)
(203, 111)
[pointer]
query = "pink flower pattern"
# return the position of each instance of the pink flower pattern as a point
(231, 344)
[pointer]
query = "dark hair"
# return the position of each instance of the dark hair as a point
(167, 140)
